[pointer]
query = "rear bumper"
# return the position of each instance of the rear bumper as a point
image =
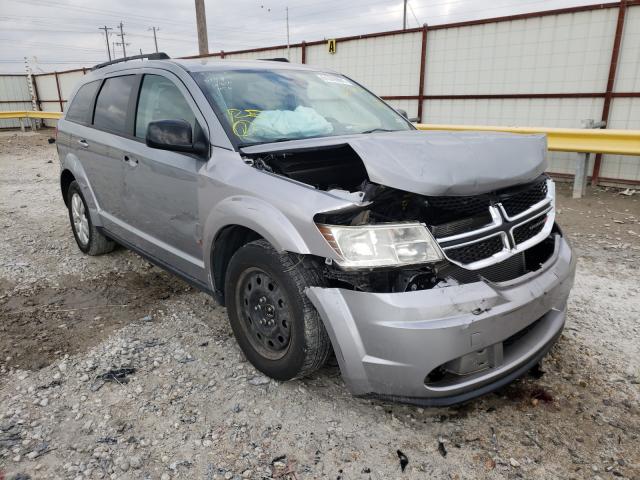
(387, 343)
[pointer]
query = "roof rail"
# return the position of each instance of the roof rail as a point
(148, 56)
(278, 59)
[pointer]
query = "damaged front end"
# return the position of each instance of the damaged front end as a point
(490, 235)
(435, 294)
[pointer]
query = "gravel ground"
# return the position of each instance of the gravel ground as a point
(112, 368)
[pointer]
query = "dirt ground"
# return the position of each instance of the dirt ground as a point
(112, 368)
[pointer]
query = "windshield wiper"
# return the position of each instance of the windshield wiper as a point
(378, 130)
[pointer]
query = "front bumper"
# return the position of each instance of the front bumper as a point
(388, 343)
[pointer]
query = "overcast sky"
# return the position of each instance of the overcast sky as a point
(64, 34)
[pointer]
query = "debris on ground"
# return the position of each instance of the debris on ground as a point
(441, 448)
(116, 375)
(404, 461)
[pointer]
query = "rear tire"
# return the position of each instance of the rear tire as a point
(275, 324)
(88, 238)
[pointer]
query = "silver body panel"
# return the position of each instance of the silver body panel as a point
(173, 206)
(387, 343)
(438, 163)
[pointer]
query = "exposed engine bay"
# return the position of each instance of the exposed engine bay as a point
(339, 170)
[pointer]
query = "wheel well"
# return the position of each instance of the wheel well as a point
(65, 180)
(227, 242)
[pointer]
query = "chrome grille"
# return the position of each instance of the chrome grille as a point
(514, 227)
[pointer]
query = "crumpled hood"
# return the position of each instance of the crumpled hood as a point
(438, 163)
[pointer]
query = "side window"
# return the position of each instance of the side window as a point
(81, 105)
(113, 103)
(160, 99)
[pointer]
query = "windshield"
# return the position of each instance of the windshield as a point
(262, 106)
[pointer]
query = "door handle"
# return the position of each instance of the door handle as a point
(83, 143)
(133, 162)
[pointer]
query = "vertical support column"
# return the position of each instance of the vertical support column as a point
(582, 163)
(303, 47)
(613, 66)
(201, 24)
(423, 64)
(59, 93)
(33, 92)
(221, 54)
(580, 180)
(34, 86)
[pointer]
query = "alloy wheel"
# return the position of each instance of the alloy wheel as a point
(80, 219)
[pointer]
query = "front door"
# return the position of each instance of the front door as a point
(160, 188)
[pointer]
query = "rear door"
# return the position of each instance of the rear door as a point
(73, 132)
(160, 188)
(105, 147)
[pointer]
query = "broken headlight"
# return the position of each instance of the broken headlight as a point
(383, 245)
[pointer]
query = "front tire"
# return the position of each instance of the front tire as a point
(88, 238)
(275, 324)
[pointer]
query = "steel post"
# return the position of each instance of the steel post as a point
(580, 179)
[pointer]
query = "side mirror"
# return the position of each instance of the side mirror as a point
(403, 113)
(176, 136)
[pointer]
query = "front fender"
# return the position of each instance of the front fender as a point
(257, 215)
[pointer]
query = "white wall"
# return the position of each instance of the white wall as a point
(387, 65)
(568, 53)
(628, 75)
(13, 88)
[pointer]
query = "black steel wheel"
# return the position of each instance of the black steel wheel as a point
(275, 324)
(265, 315)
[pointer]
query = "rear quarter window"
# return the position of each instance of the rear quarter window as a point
(80, 109)
(112, 105)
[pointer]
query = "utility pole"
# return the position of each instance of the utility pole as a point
(201, 22)
(288, 46)
(121, 35)
(155, 39)
(106, 38)
(404, 16)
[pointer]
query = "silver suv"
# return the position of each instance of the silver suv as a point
(429, 262)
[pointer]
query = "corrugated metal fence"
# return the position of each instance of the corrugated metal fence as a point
(14, 95)
(551, 69)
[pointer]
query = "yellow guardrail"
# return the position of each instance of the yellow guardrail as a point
(581, 140)
(587, 140)
(31, 114)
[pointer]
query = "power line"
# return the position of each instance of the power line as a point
(414, 15)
